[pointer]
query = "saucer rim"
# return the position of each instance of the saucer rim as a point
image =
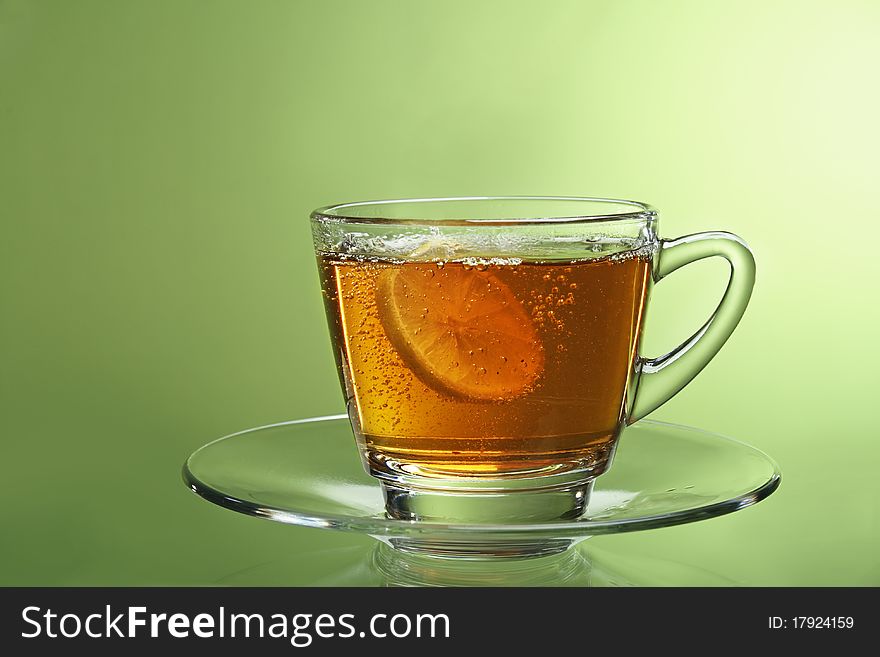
(391, 527)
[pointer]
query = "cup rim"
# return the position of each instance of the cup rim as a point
(336, 213)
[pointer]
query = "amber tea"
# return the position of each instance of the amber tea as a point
(489, 366)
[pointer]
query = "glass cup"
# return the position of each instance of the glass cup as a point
(488, 347)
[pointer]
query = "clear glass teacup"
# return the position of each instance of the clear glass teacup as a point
(488, 347)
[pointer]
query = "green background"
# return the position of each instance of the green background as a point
(158, 161)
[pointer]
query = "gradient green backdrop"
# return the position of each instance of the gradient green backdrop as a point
(158, 160)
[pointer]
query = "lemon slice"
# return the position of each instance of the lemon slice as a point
(461, 331)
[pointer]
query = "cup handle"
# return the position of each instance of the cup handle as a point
(659, 379)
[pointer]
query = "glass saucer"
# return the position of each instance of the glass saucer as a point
(308, 472)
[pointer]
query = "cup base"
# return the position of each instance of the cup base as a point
(481, 507)
(486, 506)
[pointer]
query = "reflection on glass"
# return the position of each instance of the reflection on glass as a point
(376, 564)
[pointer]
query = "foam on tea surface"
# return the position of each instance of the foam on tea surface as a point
(492, 244)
